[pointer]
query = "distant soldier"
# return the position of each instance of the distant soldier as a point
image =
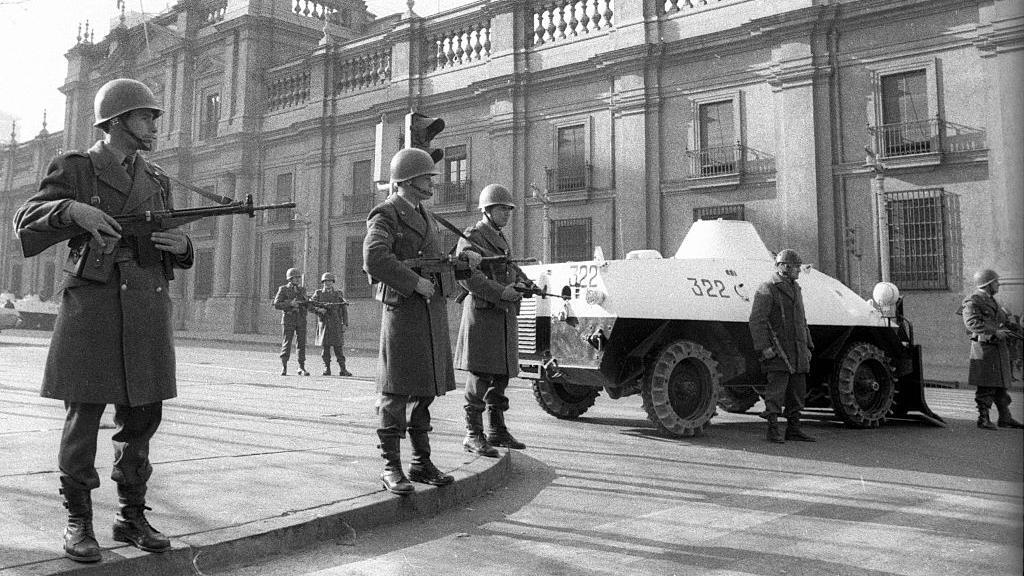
(778, 327)
(415, 360)
(291, 300)
(990, 327)
(488, 344)
(332, 319)
(113, 341)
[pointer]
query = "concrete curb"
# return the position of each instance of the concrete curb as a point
(191, 554)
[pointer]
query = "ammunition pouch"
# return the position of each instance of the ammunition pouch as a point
(87, 261)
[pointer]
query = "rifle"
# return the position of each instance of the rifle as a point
(780, 349)
(523, 284)
(94, 264)
(443, 271)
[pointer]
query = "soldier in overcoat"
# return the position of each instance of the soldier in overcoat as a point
(415, 359)
(990, 327)
(331, 310)
(778, 328)
(488, 341)
(112, 341)
(292, 301)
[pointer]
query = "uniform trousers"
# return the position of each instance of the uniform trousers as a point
(985, 396)
(785, 393)
(339, 353)
(392, 409)
(135, 426)
(299, 334)
(486, 391)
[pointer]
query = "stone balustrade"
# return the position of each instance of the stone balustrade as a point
(562, 19)
(463, 44)
(362, 71)
(288, 90)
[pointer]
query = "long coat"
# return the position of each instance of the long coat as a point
(292, 316)
(113, 340)
(415, 351)
(990, 357)
(779, 306)
(330, 327)
(488, 339)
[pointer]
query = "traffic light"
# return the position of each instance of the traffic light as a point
(420, 130)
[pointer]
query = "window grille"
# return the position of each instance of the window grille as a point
(281, 259)
(726, 212)
(204, 274)
(211, 116)
(283, 192)
(917, 222)
(571, 239)
(356, 283)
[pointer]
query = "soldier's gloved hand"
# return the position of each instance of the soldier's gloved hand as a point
(768, 353)
(103, 227)
(510, 294)
(174, 241)
(425, 288)
(473, 258)
(1003, 333)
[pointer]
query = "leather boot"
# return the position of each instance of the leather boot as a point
(983, 420)
(327, 369)
(79, 540)
(773, 430)
(302, 370)
(284, 367)
(475, 441)
(793, 431)
(422, 469)
(1005, 418)
(131, 525)
(499, 434)
(393, 479)
(342, 370)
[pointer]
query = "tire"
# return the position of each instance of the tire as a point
(564, 401)
(738, 399)
(864, 385)
(682, 389)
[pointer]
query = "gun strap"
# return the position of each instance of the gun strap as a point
(208, 195)
(459, 233)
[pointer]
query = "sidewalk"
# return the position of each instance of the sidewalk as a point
(246, 464)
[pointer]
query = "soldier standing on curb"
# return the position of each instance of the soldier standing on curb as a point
(488, 344)
(990, 327)
(778, 327)
(291, 300)
(113, 341)
(332, 319)
(415, 359)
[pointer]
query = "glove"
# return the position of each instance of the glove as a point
(510, 294)
(768, 353)
(102, 226)
(473, 258)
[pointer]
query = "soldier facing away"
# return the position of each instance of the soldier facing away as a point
(293, 303)
(488, 343)
(990, 327)
(113, 340)
(332, 319)
(778, 327)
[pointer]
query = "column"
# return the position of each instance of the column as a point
(222, 247)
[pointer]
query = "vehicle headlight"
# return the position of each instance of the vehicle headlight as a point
(885, 297)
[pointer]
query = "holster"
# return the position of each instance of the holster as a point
(88, 262)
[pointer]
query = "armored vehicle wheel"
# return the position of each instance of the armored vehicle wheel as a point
(563, 400)
(682, 388)
(737, 399)
(863, 386)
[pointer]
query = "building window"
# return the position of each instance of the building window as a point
(361, 198)
(281, 259)
(571, 157)
(906, 127)
(283, 192)
(356, 283)
(203, 274)
(726, 212)
(454, 188)
(917, 223)
(716, 139)
(210, 117)
(204, 226)
(571, 240)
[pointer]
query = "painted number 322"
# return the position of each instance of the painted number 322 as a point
(709, 288)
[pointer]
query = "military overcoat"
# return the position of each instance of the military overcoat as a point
(779, 306)
(990, 356)
(113, 341)
(291, 317)
(488, 339)
(330, 327)
(415, 351)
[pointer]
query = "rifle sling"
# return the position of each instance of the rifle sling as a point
(208, 195)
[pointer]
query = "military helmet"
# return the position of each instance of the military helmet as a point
(495, 194)
(409, 163)
(328, 276)
(293, 273)
(123, 95)
(984, 277)
(788, 256)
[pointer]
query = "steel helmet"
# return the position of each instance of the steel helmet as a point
(495, 194)
(410, 163)
(123, 95)
(984, 277)
(293, 273)
(788, 256)
(328, 276)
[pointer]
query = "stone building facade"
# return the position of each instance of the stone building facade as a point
(878, 138)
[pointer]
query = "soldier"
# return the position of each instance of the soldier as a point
(415, 356)
(332, 319)
(990, 326)
(291, 300)
(113, 340)
(778, 327)
(488, 344)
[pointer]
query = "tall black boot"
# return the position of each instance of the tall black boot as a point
(393, 479)
(131, 525)
(422, 469)
(342, 370)
(284, 366)
(1005, 418)
(327, 368)
(79, 540)
(475, 441)
(793, 431)
(773, 434)
(984, 422)
(499, 434)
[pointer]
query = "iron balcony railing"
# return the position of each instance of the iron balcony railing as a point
(451, 193)
(727, 160)
(569, 177)
(907, 138)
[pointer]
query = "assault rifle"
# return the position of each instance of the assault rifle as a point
(523, 284)
(782, 351)
(137, 230)
(443, 271)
